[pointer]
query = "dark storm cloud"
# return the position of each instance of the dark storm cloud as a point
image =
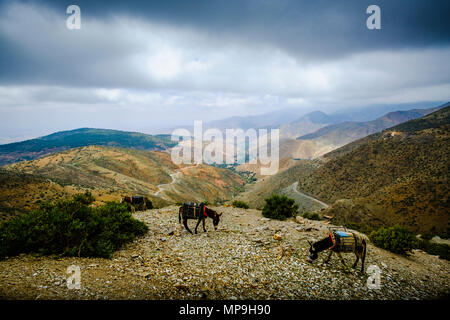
(166, 60)
(316, 28)
(307, 30)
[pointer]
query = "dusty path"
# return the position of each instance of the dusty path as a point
(293, 188)
(175, 177)
(239, 261)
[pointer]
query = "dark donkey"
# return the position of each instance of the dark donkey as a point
(340, 242)
(201, 212)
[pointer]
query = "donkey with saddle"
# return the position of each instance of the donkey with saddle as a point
(199, 212)
(340, 241)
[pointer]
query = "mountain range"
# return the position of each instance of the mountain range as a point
(397, 176)
(64, 140)
(111, 172)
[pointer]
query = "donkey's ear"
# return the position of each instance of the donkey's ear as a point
(220, 214)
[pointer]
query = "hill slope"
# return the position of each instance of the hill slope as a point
(116, 171)
(241, 260)
(397, 176)
(64, 140)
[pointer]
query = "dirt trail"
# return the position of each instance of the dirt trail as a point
(293, 187)
(241, 260)
(175, 177)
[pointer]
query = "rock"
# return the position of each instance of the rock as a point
(277, 237)
(181, 286)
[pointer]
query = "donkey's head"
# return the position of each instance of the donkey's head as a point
(313, 253)
(215, 216)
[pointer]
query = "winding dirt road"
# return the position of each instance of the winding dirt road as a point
(175, 177)
(293, 187)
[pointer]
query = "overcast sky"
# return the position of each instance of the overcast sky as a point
(142, 65)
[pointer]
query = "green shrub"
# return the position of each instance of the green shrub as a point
(312, 216)
(438, 249)
(395, 239)
(279, 207)
(240, 204)
(70, 227)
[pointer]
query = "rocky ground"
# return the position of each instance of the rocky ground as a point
(249, 257)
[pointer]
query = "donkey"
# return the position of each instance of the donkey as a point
(328, 243)
(207, 213)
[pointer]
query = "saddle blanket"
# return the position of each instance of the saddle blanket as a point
(193, 211)
(345, 241)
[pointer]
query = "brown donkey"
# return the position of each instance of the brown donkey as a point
(338, 241)
(189, 211)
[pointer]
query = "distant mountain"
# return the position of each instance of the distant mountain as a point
(64, 140)
(333, 136)
(399, 175)
(111, 172)
(308, 123)
(345, 132)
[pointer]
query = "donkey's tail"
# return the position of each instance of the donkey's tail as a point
(179, 215)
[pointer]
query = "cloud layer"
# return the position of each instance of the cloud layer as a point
(167, 63)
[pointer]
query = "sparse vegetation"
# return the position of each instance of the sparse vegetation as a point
(240, 204)
(70, 227)
(279, 207)
(395, 239)
(312, 216)
(438, 249)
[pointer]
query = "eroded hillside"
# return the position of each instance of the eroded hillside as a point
(397, 176)
(112, 172)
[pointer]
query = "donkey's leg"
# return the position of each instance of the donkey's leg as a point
(186, 226)
(356, 261)
(198, 222)
(204, 229)
(329, 256)
(342, 259)
(363, 255)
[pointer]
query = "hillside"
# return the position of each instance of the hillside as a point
(115, 172)
(241, 260)
(268, 185)
(397, 176)
(64, 140)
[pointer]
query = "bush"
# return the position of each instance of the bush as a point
(438, 249)
(279, 207)
(312, 216)
(71, 228)
(395, 239)
(240, 204)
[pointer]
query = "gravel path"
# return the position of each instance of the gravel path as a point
(241, 260)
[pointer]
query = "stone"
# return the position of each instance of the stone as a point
(277, 237)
